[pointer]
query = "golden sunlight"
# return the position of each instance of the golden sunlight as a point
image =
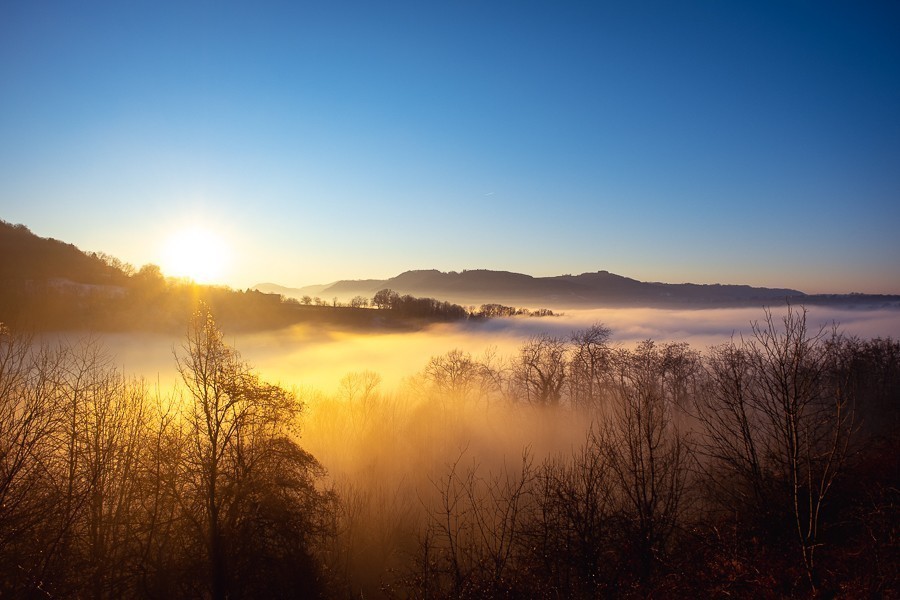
(196, 253)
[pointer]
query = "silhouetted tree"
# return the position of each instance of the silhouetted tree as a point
(458, 376)
(572, 528)
(385, 298)
(471, 546)
(589, 365)
(730, 433)
(28, 423)
(807, 418)
(540, 370)
(777, 415)
(254, 486)
(647, 455)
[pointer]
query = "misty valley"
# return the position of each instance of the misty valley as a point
(164, 439)
(546, 464)
(449, 300)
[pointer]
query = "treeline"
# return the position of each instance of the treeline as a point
(146, 300)
(408, 306)
(109, 489)
(388, 299)
(761, 468)
(48, 285)
(499, 310)
(29, 257)
(764, 467)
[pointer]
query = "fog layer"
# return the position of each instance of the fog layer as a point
(308, 357)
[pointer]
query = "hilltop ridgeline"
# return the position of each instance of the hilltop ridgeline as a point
(563, 291)
(600, 289)
(46, 284)
(49, 284)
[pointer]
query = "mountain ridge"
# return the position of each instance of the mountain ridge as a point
(600, 288)
(31, 263)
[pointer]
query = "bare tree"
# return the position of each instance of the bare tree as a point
(458, 376)
(572, 525)
(469, 548)
(358, 392)
(647, 455)
(777, 418)
(166, 556)
(359, 386)
(84, 424)
(83, 381)
(589, 365)
(241, 451)
(682, 369)
(540, 370)
(115, 428)
(28, 398)
(359, 302)
(807, 418)
(729, 436)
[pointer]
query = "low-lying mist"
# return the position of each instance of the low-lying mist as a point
(308, 357)
(450, 450)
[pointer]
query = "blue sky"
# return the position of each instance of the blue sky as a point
(711, 142)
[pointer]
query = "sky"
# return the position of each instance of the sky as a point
(730, 142)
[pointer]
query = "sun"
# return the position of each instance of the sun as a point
(195, 253)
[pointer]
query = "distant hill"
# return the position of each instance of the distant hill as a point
(565, 291)
(46, 284)
(49, 285)
(274, 288)
(598, 289)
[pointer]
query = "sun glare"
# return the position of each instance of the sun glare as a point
(195, 253)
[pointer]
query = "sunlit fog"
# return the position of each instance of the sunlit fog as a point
(454, 444)
(307, 356)
(449, 300)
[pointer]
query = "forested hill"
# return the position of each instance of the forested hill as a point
(27, 257)
(587, 290)
(46, 284)
(566, 291)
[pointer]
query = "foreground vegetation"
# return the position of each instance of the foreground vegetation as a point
(763, 467)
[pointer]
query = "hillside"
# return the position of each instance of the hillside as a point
(49, 284)
(564, 291)
(46, 284)
(27, 257)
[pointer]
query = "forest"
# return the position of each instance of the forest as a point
(49, 285)
(762, 467)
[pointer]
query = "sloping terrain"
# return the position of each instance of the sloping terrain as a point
(566, 291)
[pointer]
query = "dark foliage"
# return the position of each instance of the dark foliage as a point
(109, 492)
(48, 285)
(751, 472)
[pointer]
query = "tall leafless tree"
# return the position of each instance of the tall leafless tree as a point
(807, 417)
(253, 483)
(540, 370)
(647, 454)
(589, 366)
